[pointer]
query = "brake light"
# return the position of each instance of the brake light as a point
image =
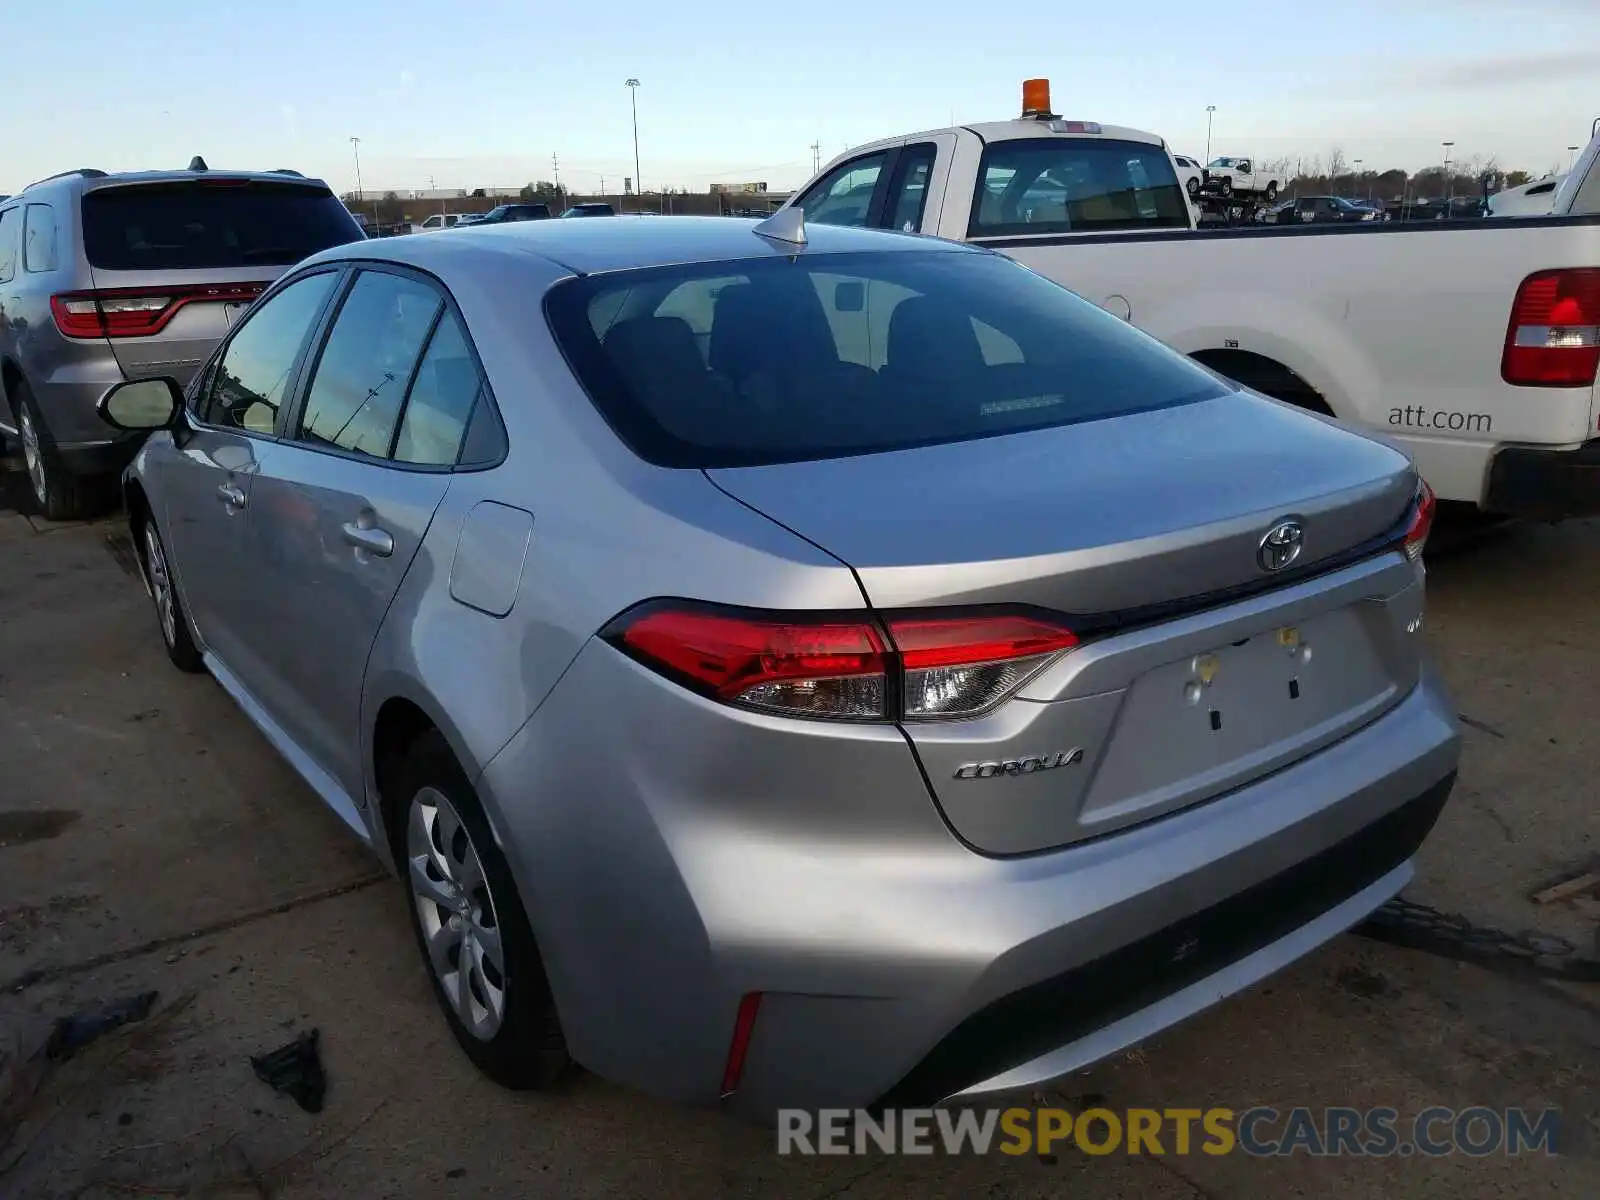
(924, 668)
(1421, 523)
(138, 312)
(1553, 339)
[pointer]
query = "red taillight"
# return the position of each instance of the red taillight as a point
(929, 667)
(830, 669)
(1553, 339)
(138, 312)
(957, 666)
(744, 1025)
(1421, 523)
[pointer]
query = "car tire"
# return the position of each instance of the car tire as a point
(465, 908)
(1193, 186)
(1226, 186)
(171, 619)
(1272, 191)
(57, 492)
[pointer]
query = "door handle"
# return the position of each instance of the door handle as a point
(369, 538)
(231, 494)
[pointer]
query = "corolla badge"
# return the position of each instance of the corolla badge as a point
(1027, 765)
(1281, 545)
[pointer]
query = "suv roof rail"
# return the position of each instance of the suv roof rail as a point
(86, 172)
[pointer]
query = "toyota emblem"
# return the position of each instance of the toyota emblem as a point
(1280, 545)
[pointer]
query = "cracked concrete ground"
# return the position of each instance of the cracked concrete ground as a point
(149, 839)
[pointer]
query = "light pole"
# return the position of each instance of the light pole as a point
(355, 149)
(633, 98)
(1210, 108)
(1357, 181)
(1449, 184)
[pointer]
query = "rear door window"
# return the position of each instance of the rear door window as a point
(782, 360)
(1075, 185)
(442, 396)
(366, 365)
(10, 223)
(908, 196)
(211, 224)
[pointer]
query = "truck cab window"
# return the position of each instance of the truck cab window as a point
(844, 195)
(1065, 185)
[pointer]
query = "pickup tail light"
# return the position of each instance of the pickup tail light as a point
(1553, 339)
(138, 312)
(1420, 523)
(913, 667)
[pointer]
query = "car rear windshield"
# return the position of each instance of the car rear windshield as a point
(1075, 185)
(212, 224)
(777, 360)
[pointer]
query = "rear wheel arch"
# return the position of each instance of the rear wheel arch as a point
(10, 376)
(399, 725)
(1265, 375)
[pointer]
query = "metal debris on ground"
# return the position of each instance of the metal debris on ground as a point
(74, 1032)
(1416, 926)
(295, 1070)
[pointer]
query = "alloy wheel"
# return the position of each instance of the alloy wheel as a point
(33, 456)
(155, 560)
(457, 914)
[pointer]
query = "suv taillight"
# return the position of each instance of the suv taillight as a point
(1553, 339)
(911, 668)
(138, 312)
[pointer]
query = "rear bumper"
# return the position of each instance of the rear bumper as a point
(684, 854)
(67, 399)
(1545, 484)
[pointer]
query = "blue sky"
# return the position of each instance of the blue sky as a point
(481, 94)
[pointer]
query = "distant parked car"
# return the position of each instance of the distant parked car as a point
(440, 221)
(1309, 210)
(108, 277)
(1190, 173)
(767, 694)
(514, 212)
(594, 209)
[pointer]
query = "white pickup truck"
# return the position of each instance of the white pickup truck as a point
(1242, 176)
(1471, 344)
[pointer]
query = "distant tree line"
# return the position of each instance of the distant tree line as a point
(1338, 176)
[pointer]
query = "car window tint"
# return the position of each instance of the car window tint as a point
(206, 225)
(440, 403)
(253, 373)
(39, 238)
(10, 222)
(827, 355)
(911, 188)
(1061, 185)
(843, 196)
(360, 379)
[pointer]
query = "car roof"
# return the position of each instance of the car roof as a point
(630, 241)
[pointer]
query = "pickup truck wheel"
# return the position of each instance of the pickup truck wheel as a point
(60, 495)
(1272, 191)
(1193, 185)
(1226, 186)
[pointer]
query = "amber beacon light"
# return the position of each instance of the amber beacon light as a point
(1036, 98)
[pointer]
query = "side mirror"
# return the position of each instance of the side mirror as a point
(850, 297)
(142, 404)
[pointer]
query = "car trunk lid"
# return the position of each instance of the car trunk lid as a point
(1200, 669)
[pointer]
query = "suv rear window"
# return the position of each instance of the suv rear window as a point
(211, 224)
(774, 360)
(1075, 185)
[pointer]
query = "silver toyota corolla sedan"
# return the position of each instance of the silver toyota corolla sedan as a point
(798, 667)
